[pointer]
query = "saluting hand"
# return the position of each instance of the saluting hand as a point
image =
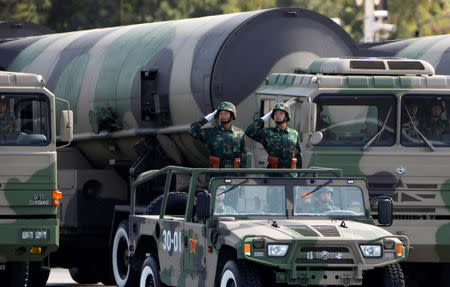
(267, 116)
(209, 117)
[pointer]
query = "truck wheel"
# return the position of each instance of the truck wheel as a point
(393, 276)
(150, 273)
(15, 274)
(239, 273)
(37, 274)
(123, 273)
(84, 275)
(176, 204)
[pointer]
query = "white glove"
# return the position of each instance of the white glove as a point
(267, 116)
(209, 117)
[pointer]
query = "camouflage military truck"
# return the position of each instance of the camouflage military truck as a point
(385, 119)
(247, 229)
(29, 226)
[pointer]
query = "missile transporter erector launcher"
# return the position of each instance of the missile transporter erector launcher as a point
(29, 225)
(135, 90)
(386, 119)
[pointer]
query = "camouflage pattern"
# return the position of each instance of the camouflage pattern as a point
(27, 180)
(152, 81)
(282, 107)
(189, 250)
(227, 106)
(227, 144)
(414, 175)
(284, 144)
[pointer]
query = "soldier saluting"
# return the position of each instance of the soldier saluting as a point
(280, 142)
(225, 142)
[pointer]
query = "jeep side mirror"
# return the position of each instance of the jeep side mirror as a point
(385, 209)
(202, 207)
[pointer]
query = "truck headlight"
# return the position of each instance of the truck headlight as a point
(371, 250)
(278, 250)
(27, 234)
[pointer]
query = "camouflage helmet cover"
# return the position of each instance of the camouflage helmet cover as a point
(282, 107)
(227, 106)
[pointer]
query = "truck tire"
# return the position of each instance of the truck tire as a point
(123, 273)
(84, 274)
(14, 275)
(37, 274)
(150, 273)
(176, 204)
(239, 273)
(393, 276)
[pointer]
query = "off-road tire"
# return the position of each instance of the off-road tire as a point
(239, 273)
(14, 275)
(393, 276)
(150, 273)
(176, 204)
(84, 274)
(37, 274)
(124, 274)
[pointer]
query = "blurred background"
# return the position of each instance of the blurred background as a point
(383, 19)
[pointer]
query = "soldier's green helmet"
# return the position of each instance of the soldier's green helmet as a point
(227, 106)
(282, 107)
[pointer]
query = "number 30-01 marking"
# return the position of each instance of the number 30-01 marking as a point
(172, 241)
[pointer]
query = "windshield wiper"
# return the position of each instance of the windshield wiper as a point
(427, 141)
(377, 135)
(317, 188)
(233, 187)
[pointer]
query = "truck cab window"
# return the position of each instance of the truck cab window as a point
(26, 120)
(425, 116)
(353, 120)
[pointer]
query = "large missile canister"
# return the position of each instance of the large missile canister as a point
(154, 79)
(433, 49)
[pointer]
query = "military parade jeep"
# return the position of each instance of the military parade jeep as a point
(257, 227)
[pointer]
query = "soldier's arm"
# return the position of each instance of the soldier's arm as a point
(196, 131)
(255, 131)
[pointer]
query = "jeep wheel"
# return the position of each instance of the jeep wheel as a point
(150, 273)
(15, 274)
(38, 274)
(123, 274)
(239, 273)
(393, 276)
(84, 274)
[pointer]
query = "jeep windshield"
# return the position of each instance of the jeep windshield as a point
(328, 201)
(282, 196)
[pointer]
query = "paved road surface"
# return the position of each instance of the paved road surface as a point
(61, 278)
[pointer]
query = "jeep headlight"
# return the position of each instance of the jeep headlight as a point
(40, 235)
(27, 235)
(371, 250)
(277, 250)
